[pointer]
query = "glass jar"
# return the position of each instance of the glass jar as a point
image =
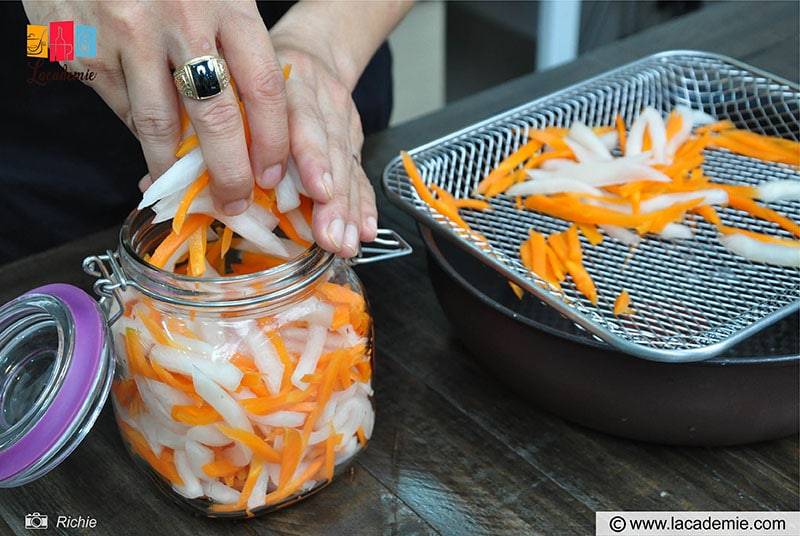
(238, 394)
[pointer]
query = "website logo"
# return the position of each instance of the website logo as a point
(61, 41)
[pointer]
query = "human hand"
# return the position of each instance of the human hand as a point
(139, 46)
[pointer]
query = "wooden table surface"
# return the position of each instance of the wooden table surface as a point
(454, 450)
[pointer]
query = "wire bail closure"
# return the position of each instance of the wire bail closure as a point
(110, 279)
(387, 245)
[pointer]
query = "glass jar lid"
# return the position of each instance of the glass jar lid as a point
(55, 375)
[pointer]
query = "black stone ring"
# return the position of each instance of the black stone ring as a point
(202, 78)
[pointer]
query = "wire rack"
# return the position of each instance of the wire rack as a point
(692, 298)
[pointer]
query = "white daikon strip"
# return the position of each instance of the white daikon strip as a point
(288, 419)
(552, 185)
(169, 396)
(238, 454)
(191, 484)
(676, 231)
(258, 495)
(167, 206)
(779, 190)
(209, 435)
(291, 171)
(687, 116)
(224, 373)
(154, 405)
(181, 251)
(649, 120)
(298, 221)
(310, 357)
(582, 154)
(346, 449)
(264, 354)
(626, 236)
(711, 196)
(220, 493)
(604, 172)
(758, 251)
(256, 225)
(198, 455)
(220, 400)
(312, 310)
(178, 177)
(196, 346)
(286, 195)
(368, 422)
(586, 137)
(609, 139)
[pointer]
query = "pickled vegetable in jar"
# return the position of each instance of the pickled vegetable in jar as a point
(244, 393)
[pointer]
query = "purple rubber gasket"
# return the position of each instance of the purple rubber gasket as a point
(77, 385)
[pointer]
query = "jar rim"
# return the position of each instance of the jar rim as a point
(217, 291)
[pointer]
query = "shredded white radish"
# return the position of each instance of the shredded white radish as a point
(552, 185)
(759, 251)
(178, 177)
(649, 120)
(589, 141)
(221, 401)
(779, 190)
(712, 196)
(224, 373)
(313, 351)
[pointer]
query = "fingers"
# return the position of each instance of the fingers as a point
(154, 111)
(260, 82)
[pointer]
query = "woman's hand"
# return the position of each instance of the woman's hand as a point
(328, 44)
(141, 43)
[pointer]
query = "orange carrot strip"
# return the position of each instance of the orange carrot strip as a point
(325, 390)
(289, 230)
(330, 453)
(220, 468)
(163, 465)
(622, 304)
(188, 143)
(137, 361)
(190, 195)
(278, 495)
(591, 233)
(197, 252)
(753, 208)
(574, 243)
(259, 447)
(172, 242)
(195, 415)
(290, 456)
(622, 133)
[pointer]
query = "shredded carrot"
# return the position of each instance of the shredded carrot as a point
(172, 242)
(622, 304)
(190, 195)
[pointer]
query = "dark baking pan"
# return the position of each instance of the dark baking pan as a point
(749, 393)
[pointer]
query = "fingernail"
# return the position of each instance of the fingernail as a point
(335, 232)
(350, 240)
(270, 177)
(327, 183)
(372, 226)
(234, 208)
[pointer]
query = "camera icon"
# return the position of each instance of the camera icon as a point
(36, 521)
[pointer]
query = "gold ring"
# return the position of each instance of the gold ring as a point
(202, 78)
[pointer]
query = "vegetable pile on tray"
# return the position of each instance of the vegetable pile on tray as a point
(241, 410)
(626, 184)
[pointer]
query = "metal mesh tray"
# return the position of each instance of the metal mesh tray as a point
(693, 298)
